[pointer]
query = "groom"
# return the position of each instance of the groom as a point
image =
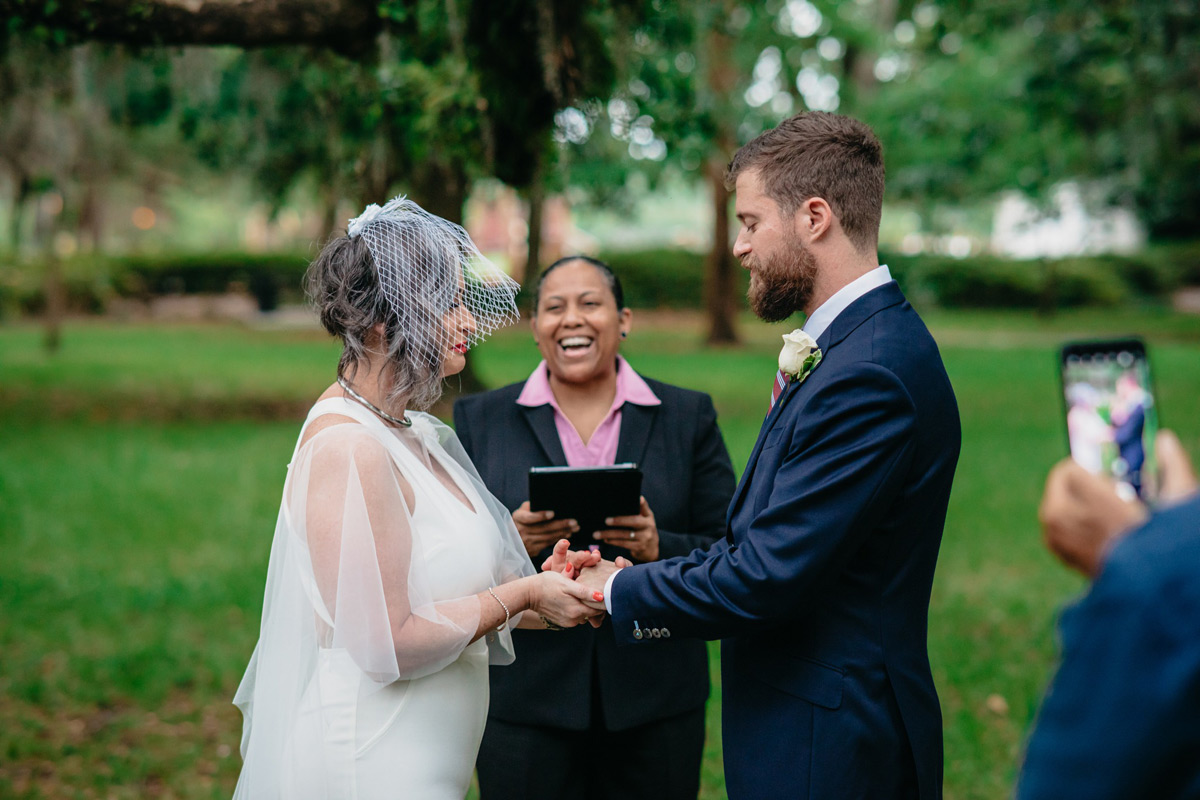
(820, 588)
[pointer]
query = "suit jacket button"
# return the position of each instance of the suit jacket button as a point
(666, 633)
(656, 633)
(646, 633)
(637, 633)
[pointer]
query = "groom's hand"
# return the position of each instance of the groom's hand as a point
(595, 576)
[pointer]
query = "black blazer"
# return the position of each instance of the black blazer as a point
(688, 482)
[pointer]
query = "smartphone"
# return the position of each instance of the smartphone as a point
(1111, 416)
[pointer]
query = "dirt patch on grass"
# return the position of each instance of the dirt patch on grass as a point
(186, 748)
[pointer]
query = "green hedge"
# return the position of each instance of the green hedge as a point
(663, 278)
(991, 282)
(675, 278)
(91, 282)
(270, 277)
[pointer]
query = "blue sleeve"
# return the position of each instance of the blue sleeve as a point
(843, 468)
(1121, 718)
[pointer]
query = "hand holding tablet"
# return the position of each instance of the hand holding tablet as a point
(589, 495)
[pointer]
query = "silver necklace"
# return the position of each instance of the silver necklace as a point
(403, 422)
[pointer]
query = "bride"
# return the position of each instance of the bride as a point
(394, 575)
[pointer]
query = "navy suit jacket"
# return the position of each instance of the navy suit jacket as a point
(1122, 717)
(687, 481)
(820, 589)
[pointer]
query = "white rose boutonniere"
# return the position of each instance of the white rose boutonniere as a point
(799, 356)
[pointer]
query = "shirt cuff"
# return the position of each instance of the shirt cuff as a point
(608, 584)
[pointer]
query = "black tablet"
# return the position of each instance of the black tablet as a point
(588, 495)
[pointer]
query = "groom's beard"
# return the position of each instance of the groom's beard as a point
(781, 284)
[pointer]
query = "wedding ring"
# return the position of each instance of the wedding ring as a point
(632, 535)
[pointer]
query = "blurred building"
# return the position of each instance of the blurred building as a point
(497, 219)
(1072, 223)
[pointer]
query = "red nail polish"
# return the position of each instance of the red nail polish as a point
(598, 597)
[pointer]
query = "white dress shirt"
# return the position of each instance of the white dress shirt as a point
(819, 320)
(816, 324)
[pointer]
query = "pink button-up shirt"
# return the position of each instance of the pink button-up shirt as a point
(601, 449)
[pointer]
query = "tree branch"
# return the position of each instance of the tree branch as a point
(349, 26)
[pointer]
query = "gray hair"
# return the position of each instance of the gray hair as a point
(343, 284)
(408, 269)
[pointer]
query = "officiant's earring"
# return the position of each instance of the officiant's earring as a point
(624, 334)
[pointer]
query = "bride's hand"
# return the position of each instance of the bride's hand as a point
(564, 602)
(569, 562)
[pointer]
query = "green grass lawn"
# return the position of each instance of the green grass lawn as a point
(140, 472)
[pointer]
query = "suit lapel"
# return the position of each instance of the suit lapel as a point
(541, 421)
(636, 422)
(858, 312)
(767, 425)
(842, 326)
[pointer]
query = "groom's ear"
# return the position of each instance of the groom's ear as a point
(814, 219)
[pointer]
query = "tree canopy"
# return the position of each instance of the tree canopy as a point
(358, 96)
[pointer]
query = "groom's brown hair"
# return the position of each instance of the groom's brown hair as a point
(818, 154)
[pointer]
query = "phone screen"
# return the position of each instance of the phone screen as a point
(1111, 419)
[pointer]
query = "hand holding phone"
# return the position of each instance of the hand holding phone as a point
(1110, 410)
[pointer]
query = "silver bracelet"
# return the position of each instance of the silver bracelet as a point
(504, 624)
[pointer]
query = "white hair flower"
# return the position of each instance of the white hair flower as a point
(364, 219)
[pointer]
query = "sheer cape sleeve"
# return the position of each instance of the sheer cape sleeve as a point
(349, 572)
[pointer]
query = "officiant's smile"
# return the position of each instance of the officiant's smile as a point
(578, 325)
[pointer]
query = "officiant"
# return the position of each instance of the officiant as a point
(573, 700)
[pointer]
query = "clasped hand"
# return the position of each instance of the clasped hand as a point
(587, 568)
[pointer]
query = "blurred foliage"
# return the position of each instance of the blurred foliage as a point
(653, 278)
(969, 98)
(92, 282)
(1126, 76)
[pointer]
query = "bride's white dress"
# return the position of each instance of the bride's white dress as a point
(364, 683)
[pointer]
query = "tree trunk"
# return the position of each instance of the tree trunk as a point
(349, 26)
(721, 76)
(329, 215)
(52, 281)
(719, 292)
(56, 302)
(1048, 298)
(536, 197)
(859, 61)
(91, 218)
(441, 189)
(21, 197)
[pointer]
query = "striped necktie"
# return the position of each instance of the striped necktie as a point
(781, 382)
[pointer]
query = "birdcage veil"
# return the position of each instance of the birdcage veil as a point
(427, 267)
